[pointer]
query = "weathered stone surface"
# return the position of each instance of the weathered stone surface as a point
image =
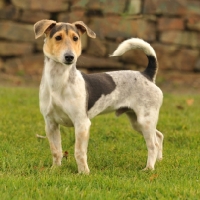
(76, 4)
(16, 31)
(174, 24)
(15, 49)
(136, 57)
(31, 65)
(175, 58)
(9, 12)
(1, 65)
(75, 15)
(113, 6)
(51, 5)
(63, 17)
(193, 23)
(112, 46)
(176, 7)
(186, 38)
(134, 7)
(34, 16)
(2, 4)
(166, 23)
(197, 66)
(97, 47)
(115, 27)
(132, 67)
(84, 41)
(86, 61)
(106, 6)
(39, 43)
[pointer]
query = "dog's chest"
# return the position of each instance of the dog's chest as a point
(56, 108)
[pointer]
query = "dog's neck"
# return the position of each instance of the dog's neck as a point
(57, 74)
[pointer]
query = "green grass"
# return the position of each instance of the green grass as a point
(116, 154)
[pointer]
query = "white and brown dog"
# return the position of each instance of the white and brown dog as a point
(71, 98)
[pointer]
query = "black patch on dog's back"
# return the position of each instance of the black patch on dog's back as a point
(97, 85)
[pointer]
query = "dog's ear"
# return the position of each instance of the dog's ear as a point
(83, 28)
(43, 26)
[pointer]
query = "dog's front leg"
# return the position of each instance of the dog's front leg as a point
(54, 137)
(81, 145)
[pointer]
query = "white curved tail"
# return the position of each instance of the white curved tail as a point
(136, 43)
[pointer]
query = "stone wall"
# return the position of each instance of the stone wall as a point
(171, 26)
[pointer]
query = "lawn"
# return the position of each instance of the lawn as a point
(116, 154)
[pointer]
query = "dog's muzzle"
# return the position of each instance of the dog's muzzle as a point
(69, 57)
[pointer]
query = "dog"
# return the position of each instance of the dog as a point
(69, 97)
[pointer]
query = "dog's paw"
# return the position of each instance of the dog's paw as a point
(84, 170)
(148, 169)
(159, 159)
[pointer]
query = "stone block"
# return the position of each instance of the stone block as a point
(2, 4)
(197, 66)
(136, 57)
(51, 5)
(77, 4)
(39, 43)
(86, 61)
(134, 7)
(15, 49)
(89, 4)
(172, 57)
(106, 6)
(9, 12)
(1, 65)
(116, 27)
(133, 67)
(97, 47)
(84, 41)
(113, 6)
(34, 16)
(176, 7)
(16, 31)
(186, 38)
(165, 23)
(112, 46)
(63, 17)
(75, 15)
(193, 23)
(29, 65)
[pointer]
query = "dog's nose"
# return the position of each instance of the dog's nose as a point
(69, 58)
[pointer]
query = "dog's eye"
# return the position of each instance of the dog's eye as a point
(58, 38)
(75, 38)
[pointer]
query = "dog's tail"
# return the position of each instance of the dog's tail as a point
(136, 43)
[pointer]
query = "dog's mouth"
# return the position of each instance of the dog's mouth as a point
(68, 63)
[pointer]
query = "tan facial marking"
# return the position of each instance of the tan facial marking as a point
(62, 42)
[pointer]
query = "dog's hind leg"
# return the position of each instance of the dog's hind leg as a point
(148, 129)
(54, 137)
(81, 145)
(160, 138)
(133, 120)
(146, 126)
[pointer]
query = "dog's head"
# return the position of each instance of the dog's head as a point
(62, 40)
